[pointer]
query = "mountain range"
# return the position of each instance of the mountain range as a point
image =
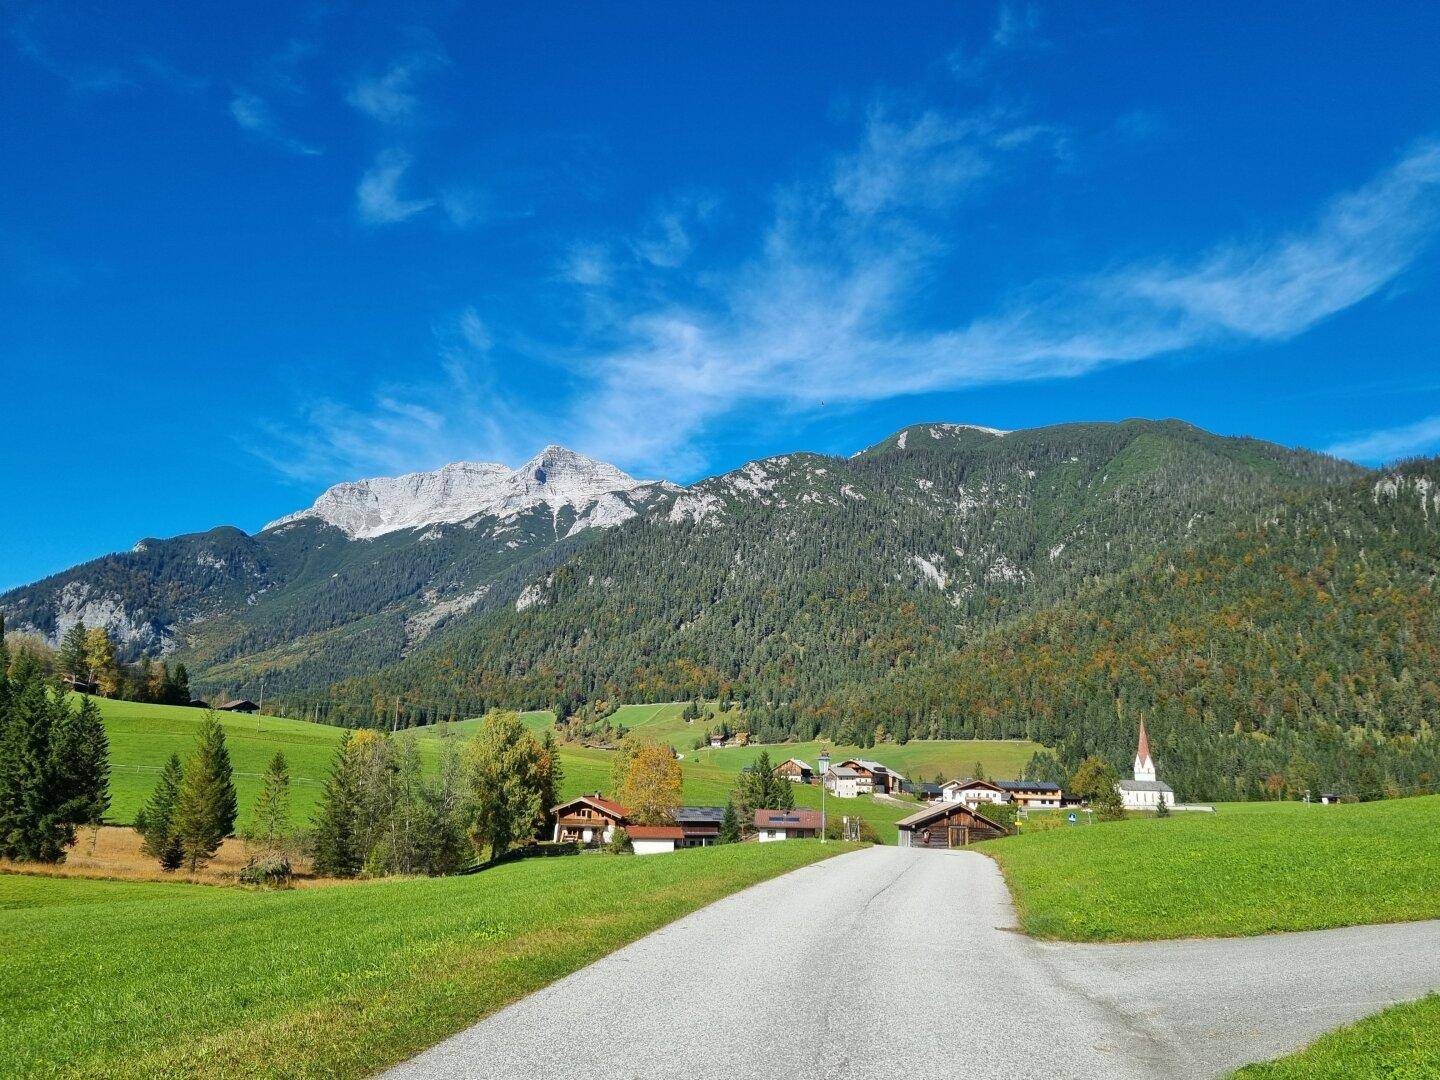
(1267, 610)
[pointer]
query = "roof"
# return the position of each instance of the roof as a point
(1026, 785)
(238, 703)
(699, 815)
(787, 819)
(873, 766)
(796, 761)
(1145, 785)
(655, 832)
(969, 783)
(598, 801)
(1143, 751)
(928, 788)
(939, 810)
(842, 771)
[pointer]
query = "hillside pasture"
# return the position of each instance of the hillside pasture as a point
(1250, 868)
(121, 979)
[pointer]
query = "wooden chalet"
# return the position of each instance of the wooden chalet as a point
(699, 825)
(1032, 794)
(795, 770)
(590, 820)
(947, 825)
(873, 774)
(80, 685)
(241, 705)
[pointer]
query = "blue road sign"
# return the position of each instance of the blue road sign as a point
(1073, 819)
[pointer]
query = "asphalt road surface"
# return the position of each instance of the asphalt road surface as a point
(889, 962)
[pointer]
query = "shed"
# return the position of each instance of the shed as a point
(244, 705)
(947, 825)
(654, 839)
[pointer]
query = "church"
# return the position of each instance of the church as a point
(1145, 792)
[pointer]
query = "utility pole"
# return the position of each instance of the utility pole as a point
(824, 768)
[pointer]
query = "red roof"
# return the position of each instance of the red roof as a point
(655, 832)
(1143, 753)
(788, 819)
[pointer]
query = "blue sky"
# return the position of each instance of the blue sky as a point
(243, 258)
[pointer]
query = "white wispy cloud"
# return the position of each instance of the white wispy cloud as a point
(1391, 444)
(1016, 25)
(377, 196)
(253, 115)
(822, 311)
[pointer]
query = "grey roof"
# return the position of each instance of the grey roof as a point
(873, 766)
(842, 771)
(1145, 785)
(697, 815)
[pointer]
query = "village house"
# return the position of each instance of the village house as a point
(786, 825)
(795, 770)
(240, 705)
(947, 825)
(845, 783)
(880, 778)
(589, 820)
(1032, 794)
(1145, 792)
(699, 825)
(973, 792)
(926, 791)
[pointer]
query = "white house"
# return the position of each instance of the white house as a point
(786, 825)
(973, 792)
(1145, 792)
(845, 783)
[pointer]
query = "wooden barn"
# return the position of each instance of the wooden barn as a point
(795, 770)
(241, 705)
(947, 825)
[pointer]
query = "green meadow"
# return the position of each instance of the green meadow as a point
(1251, 868)
(143, 736)
(119, 979)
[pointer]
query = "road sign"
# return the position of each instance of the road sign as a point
(1073, 819)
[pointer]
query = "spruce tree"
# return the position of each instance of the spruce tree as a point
(85, 751)
(270, 817)
(336, 853)
(729, 825)
(71, 660)
(206, 807)
(155, 822)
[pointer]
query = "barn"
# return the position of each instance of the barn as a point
(947, 825)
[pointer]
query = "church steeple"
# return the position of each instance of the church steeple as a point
(1144, 763)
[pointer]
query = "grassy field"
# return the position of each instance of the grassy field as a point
(1401, 1043)
(137, 979)
(1252, 868)
(142, 737)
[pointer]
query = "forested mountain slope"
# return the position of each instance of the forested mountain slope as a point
(1298, 652)
(797, 580)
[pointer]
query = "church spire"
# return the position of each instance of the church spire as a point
(1144, 763)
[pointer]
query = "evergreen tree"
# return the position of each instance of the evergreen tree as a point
(54, 767)
(155, 821)
(206, 807)
(729, 825)
(71, 660)
(336, 852)
(181, 690)
(270, 817)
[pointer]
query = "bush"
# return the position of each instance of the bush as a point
(619, 842)
(835, 828)
(1002, 813)
(270, 869)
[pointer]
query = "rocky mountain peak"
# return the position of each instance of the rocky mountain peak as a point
(555, 477)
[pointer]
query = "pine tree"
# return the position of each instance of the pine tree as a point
(155, 822)
(85, 751)
(729, 825)
(336, 853)
(71, 660)
(182, 686)
(206, 807)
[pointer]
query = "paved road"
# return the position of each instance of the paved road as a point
(904, 963)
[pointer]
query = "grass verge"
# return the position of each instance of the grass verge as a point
(120, 979)
(1401, 1043)
(1258, 869)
